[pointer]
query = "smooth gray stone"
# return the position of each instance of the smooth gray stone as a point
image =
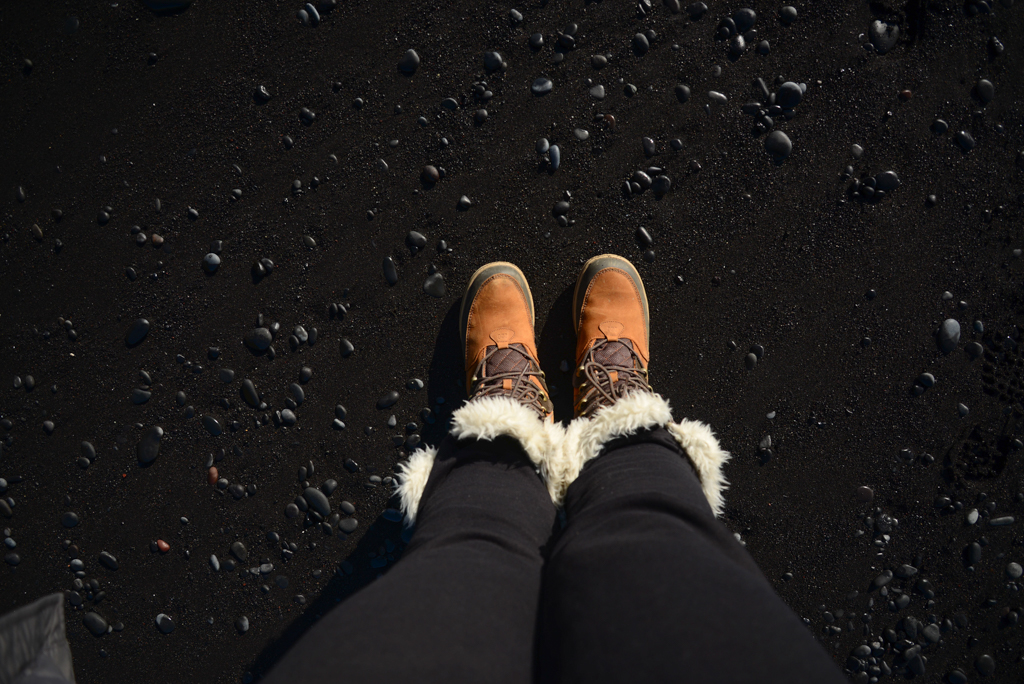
(737, 45)
(249, 394)
(288, 417)
(215, 563)
(348, 525)
(778, 145)
(541, 86)
(242, 624)
(317, 501)
(388, 400)
(717, 97)
(164, 622)
(180, 398)
(212, 425)
(239, 551)
(149, 446)
(314, 16)
(599, 61)
(597, 92)
(339, 412)
(649, 146)
(542, 146)
(661, 185)
(137, 332)
(493, 61)
(226, 375)
(985, 90)
(140, 396)
(258, 339)
(555, 156)
(410, 62)
(297, 392)
(787, 15)
(108, 561)
(95, 623)
(69, 519)
(949, 335)
(641, 44)
(536, 41)
(300, 333)
(965, 140)
(416, 239)
(5, 510)
(696, 10)
(434, 285)
(884, 36)
(887, 181)
(973, 553)
(390, 272)
(682, 93)
(789, 95)
(211, 262)
(346, 348)
(89, 451)
(745, 19)
(939, 126)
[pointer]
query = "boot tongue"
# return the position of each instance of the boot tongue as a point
(514, 358)
(618, 353)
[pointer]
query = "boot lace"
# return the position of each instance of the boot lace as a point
(599, 387)
(512, 363)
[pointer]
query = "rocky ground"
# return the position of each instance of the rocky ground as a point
(884, 505)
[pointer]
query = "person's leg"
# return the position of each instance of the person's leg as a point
(645, 583)
(461, 604)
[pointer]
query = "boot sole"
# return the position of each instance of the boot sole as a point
(590, 271)
(478, 279)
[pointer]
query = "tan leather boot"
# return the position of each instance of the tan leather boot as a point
(612, 333)
(497, 333)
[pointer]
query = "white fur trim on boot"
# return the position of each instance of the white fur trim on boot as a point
(486, 418)
(412, 476)
(585, 437)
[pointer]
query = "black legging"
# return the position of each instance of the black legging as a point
(642, 582)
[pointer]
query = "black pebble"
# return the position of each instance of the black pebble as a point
(390, 272)
(388, 400)
(137, 332)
